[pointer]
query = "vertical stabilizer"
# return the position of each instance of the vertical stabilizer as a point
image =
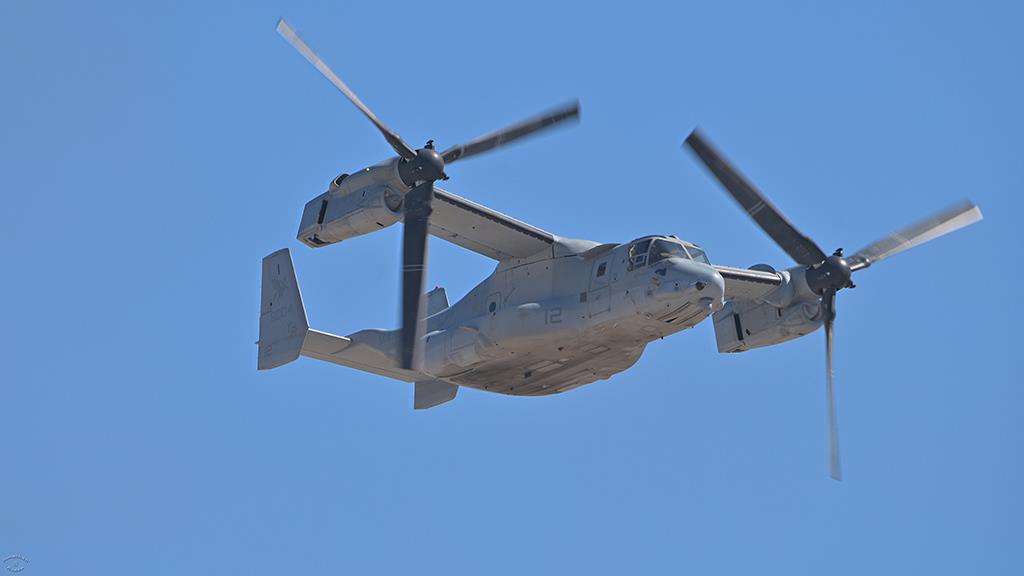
(437, 300)
(432, 393)
(283, 324)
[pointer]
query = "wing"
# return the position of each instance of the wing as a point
(746, 284)
(483, 230)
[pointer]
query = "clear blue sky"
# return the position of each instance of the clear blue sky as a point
(153, 154)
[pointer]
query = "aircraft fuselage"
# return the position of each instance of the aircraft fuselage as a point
(548, 324)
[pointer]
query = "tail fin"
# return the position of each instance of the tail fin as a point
(283, 324)
(433, 393)
(437, 300)
(285, 333)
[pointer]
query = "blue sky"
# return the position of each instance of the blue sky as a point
(153, 155)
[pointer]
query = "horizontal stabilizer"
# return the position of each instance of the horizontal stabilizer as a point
(321, 345)
(367, 350)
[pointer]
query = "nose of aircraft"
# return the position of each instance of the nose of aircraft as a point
(710, 287)
(695, 281)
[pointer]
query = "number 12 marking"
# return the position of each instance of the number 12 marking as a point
(552, 315)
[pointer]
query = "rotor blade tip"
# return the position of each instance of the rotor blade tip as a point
(693, 136)
(953, 218)
(572, 110)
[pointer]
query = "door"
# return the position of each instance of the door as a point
(599, 293)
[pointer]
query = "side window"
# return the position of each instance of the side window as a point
(697, 254)
(493, 302)
(638, 254)
(601, 269)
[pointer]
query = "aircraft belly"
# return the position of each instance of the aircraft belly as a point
(538, 374)
(536, 367)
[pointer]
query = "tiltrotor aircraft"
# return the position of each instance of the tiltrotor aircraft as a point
(556, 313)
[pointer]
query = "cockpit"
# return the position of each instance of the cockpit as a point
(651, 249)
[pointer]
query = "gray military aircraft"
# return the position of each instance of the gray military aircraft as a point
(556, 313)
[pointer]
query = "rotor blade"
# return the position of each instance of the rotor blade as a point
(396, 142)
(414, 263)
(828, 302)
(511, 133)
(765, 214)
(953, 218)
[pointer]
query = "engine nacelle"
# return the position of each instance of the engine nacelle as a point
(741, 326)
(354, 205)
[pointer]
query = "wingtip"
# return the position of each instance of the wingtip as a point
(977, 210)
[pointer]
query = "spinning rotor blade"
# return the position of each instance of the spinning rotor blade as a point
(825, 276)
(828, 303)
(396, 142)
(420, 169)
(799, 247)
(414, 263)
(511, 133)
(949, 220)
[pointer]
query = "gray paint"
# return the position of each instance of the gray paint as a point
(433, 393)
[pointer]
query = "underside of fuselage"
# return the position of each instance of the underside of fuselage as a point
(598, 354)
(537, 374)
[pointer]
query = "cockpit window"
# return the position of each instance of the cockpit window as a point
(662, 249)
(638, 253)
(697, 254)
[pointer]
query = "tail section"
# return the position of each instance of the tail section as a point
(285, 334)
(433, 393)
(283, 324)
(437, 300)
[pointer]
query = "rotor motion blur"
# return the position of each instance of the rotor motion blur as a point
(556, 313)
(419, 169)
(824, 275)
